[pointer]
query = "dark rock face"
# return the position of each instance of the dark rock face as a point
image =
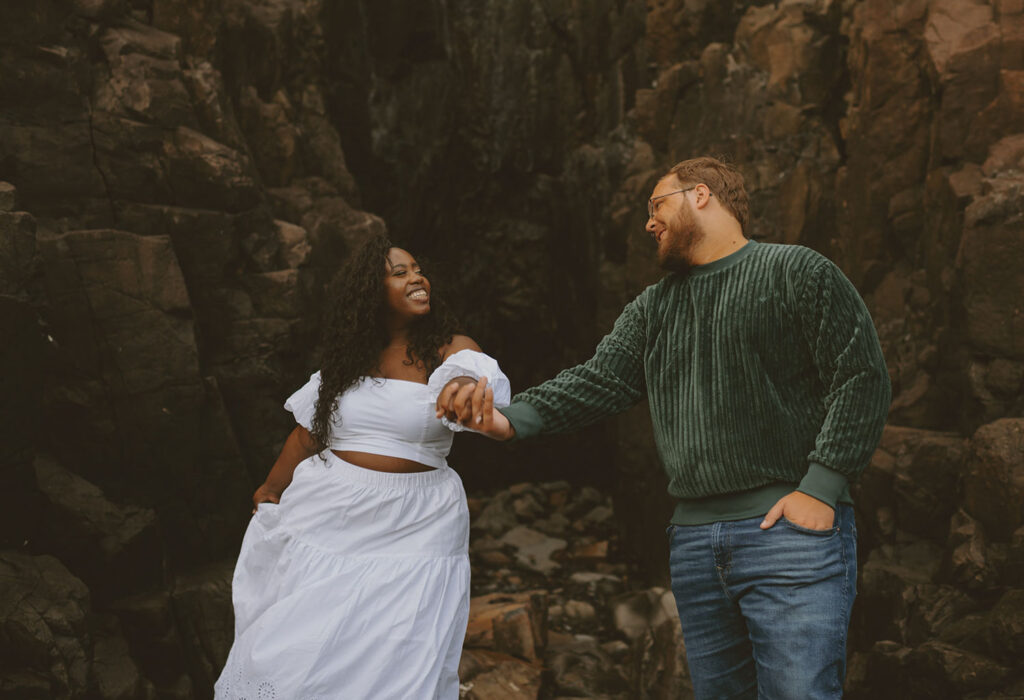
(179, 179)
(46, 640)
(994, 479)
(93, 536)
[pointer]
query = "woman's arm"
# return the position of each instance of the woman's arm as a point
(458, 342)
(299, 446)
(467, 371)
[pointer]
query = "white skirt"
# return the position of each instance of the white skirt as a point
(355, 586)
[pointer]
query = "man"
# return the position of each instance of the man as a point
(768, 393)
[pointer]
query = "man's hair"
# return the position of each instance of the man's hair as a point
(724, 181)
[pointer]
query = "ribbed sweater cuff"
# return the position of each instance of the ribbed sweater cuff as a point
(823, 483)
(525, 419)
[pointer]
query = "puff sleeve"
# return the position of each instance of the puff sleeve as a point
(470, 363)
(302, 403)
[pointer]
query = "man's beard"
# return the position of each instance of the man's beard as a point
(684, 234)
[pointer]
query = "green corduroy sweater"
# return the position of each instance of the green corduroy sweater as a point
(763, 374)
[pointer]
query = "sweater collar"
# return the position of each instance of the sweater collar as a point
(722, 263)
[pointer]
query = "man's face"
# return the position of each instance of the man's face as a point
(673, 224)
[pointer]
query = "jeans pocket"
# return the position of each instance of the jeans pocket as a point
(808, 531)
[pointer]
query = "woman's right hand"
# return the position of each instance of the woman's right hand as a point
(265, 494)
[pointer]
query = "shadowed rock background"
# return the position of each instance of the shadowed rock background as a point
(179, 178)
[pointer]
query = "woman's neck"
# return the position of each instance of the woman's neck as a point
(398, 330)
(398, 340)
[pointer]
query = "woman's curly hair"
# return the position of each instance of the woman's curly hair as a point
(355, 331)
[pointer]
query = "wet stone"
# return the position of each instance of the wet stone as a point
(534, 549)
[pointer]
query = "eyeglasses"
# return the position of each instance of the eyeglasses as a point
(650, 202)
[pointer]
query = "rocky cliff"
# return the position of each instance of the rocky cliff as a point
(179, 178)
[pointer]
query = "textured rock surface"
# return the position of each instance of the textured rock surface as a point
(994, 478)
(179, 179)
(586, 628)
(95, 537)
(46, 640)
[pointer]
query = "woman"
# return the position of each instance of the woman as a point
(353, 579)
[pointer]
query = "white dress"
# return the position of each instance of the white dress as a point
(357, 584)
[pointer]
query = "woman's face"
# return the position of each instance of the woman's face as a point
(407, 290)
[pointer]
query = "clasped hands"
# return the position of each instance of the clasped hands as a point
(470, 403)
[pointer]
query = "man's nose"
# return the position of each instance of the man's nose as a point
(650, 224)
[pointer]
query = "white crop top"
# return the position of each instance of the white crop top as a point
(396, 418)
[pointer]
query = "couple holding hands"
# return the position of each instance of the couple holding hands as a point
(768, 393)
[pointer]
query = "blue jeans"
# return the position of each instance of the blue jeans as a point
(765, 612)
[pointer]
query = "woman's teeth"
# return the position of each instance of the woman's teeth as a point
(418, 294)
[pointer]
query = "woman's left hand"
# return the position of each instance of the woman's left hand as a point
(264, 494)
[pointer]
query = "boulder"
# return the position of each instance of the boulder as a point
(970, 632)
(658, 668)
(936, 669)
(512, 624)
(880, 667)
(53, 163)
(597, 584)
(555, 526)
(579, 611)
(1006, 628)
(991, 252)
(581, 667)
(888, 571)
(204, 616)
(294, 248)
(45, 640)
(496, 517)
(115, 674)
(270, 127)
(634, 614)
(336, 230)
(926, 611)
(969, 560)
(150, 628)
(534, 549)
(485, 675)
(527, 507)
(993, 480)
(963, 40)
(146, 80)
(913, 476)
(115, 549)
(206, 174)
(586, 552)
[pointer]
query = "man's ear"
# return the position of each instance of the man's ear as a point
(703, 196)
